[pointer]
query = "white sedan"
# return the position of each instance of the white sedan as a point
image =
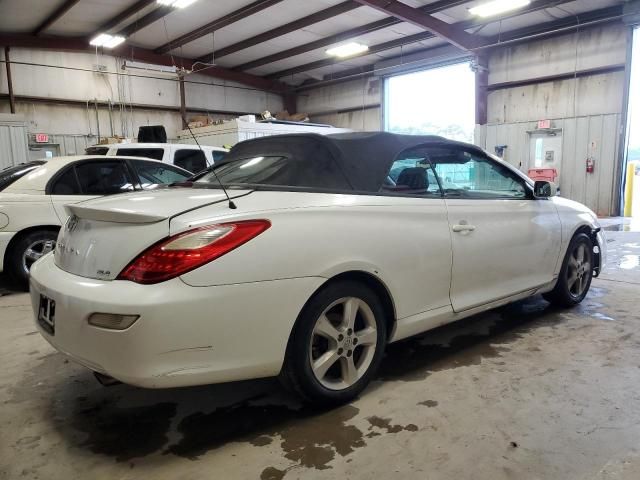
(33, 195)
(320, 257)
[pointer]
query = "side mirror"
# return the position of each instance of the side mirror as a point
(542, 189)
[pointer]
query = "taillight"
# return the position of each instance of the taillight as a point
(189, 250)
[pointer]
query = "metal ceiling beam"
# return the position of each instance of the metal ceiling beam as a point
(316, 17)
(78, 44)
(147, 20)
(122, 16)
(344, 36)
(57, 14)
(540, 31)
(404, 12)
(381, 47)
(217, 24)
(535, 6)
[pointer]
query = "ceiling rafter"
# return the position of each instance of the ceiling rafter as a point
(303, 22)
(79, 44)
(151, 17)
(444, 30)
(544, 30)
(123, 15)
(344, 35)
(56, 15)
(535, 6)
(381, 47)
(217, 24)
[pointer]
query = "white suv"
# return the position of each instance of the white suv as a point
(189, 157)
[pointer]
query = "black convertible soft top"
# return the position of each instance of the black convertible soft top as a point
(363, 158)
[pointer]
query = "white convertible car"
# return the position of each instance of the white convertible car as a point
(327, 249)
(33, 196)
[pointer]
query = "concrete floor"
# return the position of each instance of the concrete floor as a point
(526, 392)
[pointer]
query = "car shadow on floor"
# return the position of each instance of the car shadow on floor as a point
(8, 286)
(128, 423)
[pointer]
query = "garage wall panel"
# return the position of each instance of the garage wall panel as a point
(582, 137)
(367, 120)
(361, 98)
(591, 48)
(595, 95)
(13, 140)
(74, 77)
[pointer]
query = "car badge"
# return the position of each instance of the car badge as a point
(72, 223)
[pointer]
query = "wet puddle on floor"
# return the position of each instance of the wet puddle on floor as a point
(126, 424)
(629, 262)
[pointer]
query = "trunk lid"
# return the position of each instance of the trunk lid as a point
(102, 236)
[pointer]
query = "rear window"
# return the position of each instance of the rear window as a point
(96, 150)
(191, 160)
(153, 153)
(152, 174)
(218, 156)
(15, 172)
(277, 164)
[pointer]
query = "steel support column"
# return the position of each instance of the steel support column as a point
(481, 66)
(7, 62)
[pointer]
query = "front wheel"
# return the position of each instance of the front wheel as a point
(337, 344)
(575, 275)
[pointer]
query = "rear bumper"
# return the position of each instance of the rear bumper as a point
(185, 335)
(5, 238)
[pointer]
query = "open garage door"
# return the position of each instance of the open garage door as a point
(632, 180)
(438, 101)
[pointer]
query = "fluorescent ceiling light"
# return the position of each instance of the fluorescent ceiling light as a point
(347, 50)
(498, 6)
(107, 41)
(176, 3)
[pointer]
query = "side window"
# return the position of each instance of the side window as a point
(66, 184)
(466, 174)
(412, 174)
(218, 155)
(192, 160)
(152, 153)
(152, 174)
(103, 178)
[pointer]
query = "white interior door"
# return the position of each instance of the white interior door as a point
(545, 151)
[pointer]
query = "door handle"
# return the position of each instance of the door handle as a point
(463, 228)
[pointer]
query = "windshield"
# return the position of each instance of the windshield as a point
(15, 172)
(281, 166)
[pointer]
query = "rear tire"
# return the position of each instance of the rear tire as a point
(336, 345)
(576, 274)
(27, 249)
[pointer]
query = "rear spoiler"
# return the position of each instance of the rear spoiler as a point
(112, 215)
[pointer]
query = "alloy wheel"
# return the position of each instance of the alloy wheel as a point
(36, 251)
(579, 270)
(343, 343)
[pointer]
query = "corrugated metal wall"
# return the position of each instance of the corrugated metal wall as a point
(73, 144)
(367, 120)
(593, 136)
(13, 141)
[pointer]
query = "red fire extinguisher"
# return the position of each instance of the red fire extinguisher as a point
(591, 165)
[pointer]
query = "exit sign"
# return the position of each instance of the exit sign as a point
(544, 124)
(42, 138)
